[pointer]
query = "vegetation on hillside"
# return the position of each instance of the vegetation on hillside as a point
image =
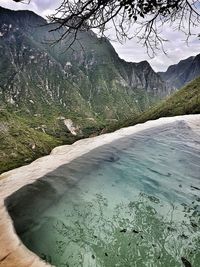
(21, 143)
(42, 87)
(183, 102)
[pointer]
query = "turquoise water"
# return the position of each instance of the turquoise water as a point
(134, 202)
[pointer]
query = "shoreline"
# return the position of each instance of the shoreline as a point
(12, 251)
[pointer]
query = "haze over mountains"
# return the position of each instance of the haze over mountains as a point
(182, 73)
(50, 94)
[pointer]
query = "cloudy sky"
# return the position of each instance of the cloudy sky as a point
(176, 47)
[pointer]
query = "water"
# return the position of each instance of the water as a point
(134, 202)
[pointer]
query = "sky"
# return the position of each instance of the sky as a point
(176, 48)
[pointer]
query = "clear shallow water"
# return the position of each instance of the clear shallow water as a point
(132, 203)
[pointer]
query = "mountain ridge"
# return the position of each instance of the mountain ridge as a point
(178, 75)
(88, 62)
(46, 90)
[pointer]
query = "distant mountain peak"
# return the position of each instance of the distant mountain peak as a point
(20, 17)
(182, 73)
(144, 62)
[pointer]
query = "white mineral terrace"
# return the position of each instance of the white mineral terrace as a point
(12, 251)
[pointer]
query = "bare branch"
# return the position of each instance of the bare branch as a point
(146, 17)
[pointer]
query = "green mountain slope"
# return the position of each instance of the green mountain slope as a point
(87, 81)
(185, 101)
(20, 144)
(44, 89)
(19, 139)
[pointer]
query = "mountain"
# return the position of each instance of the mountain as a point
(182, 73)
(51, 95)
(184, 101)
(89, 79)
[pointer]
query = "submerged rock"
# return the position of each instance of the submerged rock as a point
(123, 231)
(186, 262)
(135, 231)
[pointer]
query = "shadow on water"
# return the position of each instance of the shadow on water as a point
(133, 202)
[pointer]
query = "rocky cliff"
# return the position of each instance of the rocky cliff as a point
(89, 79)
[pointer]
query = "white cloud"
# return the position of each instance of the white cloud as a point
(177, 49)
(41, 7)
